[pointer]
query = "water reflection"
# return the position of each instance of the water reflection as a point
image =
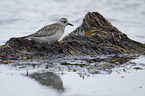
(83, 66)
(77, 72)
(48, 79)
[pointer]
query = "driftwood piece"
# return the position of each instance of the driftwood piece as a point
(95, 36)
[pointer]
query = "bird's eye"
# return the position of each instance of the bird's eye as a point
(64, 21)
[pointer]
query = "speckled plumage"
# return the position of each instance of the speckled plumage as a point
(50, 33)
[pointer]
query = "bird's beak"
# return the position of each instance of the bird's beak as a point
(70, 24)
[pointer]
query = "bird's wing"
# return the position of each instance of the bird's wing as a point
(47, 30)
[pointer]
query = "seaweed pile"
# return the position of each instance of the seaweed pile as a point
(95, 36)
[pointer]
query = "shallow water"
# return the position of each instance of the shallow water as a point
(122, 80)
(23, 17)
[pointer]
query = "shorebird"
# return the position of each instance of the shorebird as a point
(50, 33)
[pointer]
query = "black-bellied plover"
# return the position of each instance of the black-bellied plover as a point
(50, 33)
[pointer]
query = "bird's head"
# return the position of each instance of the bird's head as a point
(64, 22)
